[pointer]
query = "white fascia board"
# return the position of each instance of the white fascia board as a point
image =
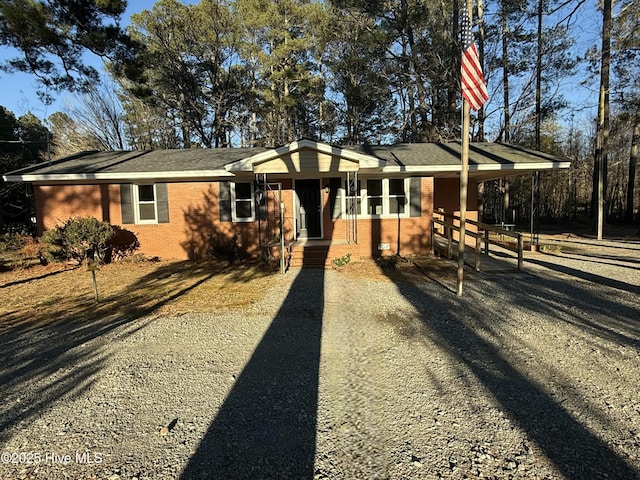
(365, 161)
(76, 177)
(430, 169)
(246, 165)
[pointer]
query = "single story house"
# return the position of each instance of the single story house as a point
(361, 200)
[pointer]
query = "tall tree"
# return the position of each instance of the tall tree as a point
(627, 90)
(634, 155)
(360, 76)
(279, 40)
(51, 38)
(23, 142)
(100, 115)
(188, 66)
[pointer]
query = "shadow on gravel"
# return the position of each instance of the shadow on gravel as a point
(615, 260)
(266, 427)
(44, 359)
(474, 333)
(591, 277)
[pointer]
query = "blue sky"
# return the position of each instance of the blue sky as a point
(18, 90)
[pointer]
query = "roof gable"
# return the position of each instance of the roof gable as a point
(307, 156)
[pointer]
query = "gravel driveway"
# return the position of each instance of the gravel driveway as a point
(528, 375)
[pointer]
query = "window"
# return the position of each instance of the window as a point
(397, 196)
(380, 197)
(146, 206)
(374, 197)
(144, 203)
(242, 202)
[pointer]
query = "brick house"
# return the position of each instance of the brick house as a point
(363, 200)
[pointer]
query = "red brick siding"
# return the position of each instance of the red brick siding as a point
(195, 217)
(404, 235)
(447, 196)
(55, 204)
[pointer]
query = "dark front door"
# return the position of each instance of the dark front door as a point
(309, 213)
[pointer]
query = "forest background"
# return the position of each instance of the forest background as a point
(223, 73)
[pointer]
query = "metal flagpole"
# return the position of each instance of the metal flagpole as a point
(464, 180)
(474, 95)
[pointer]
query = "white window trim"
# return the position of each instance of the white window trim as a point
(137, 203)
(364, 202)
(234, 216)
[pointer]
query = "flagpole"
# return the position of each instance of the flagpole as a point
(464, 179)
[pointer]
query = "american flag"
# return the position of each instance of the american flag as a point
(474, 88)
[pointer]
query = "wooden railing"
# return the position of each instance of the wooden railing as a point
(482, 236)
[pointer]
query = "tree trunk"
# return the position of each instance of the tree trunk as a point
(603, 117)
(481, 54)
(633, 163)
(416, 70)
(539, 77)
(454, 81)
(505, 75)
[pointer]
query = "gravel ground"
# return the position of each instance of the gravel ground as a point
(528, 375)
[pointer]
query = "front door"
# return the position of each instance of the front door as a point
(309, 213)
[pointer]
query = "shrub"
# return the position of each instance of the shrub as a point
(13, 242)
(18, 251)
(122, 244)
(77, 239)
(224, 248)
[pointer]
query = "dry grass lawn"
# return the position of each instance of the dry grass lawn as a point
(55, 292)
(38, 294)
(33, 294)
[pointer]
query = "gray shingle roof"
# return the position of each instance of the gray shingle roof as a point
(441, 154)
(141, 161)
(202, 163)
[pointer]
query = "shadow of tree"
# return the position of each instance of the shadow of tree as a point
(204, 230)
(54, 349)
(585, 275)
(480, 337)
(266, 427)
(622, 261)
(31, 279)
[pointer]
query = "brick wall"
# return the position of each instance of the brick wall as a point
(194, 218)
(55, 204)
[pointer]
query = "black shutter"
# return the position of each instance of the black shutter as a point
(335, 197)
(162, 202)
(415, 197)
(260, 197)
(225, 201)
(126, 203)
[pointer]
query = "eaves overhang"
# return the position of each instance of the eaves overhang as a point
(184, 175)
(484, 168)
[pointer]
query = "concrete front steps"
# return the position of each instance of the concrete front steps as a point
(319, 253)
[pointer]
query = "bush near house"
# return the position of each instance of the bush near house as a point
(78, 238)
(123, 244)
(18, 251)
(224, 248)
